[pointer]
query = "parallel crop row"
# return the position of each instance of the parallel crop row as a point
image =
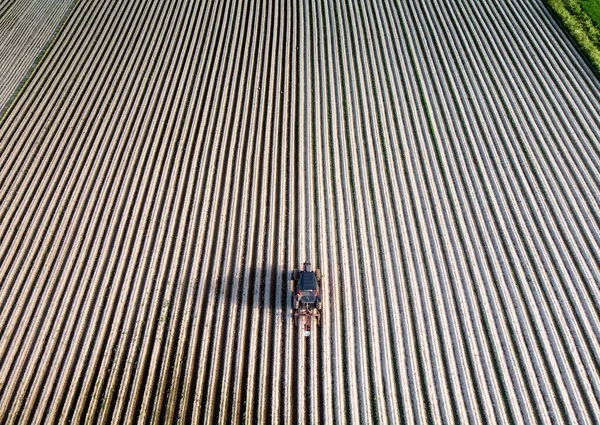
(167, 165)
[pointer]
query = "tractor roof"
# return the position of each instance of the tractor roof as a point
(308, 280)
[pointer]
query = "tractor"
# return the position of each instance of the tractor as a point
(307, 296)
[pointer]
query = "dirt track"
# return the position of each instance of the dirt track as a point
(168, 164)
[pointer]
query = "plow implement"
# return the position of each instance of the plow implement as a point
(305, 316)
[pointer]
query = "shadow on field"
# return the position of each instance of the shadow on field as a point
(266, 288)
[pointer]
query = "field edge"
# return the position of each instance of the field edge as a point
(580, 26)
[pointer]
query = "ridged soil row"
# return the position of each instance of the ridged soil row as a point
(120, 253)
(558, 182)
(285, 80)
(47, 148)
(64, 341)
(5, 6)
(405, 275)
(310, 351)
(374, 274)
(577, 87)
(218, 276)
(464, 188)
(393, 194)
(300, 361)
(335, 314)
(161, 305)
(202, 98)
(483, 401)
(134, 182)
(226, 303)
(176, 386)
(431, 104)
(27, 29)
(330, 373)
(493, 386)
(371, 188)
(49, 288)
(209, 367)
(563, 167)
(581, 293)
(437, 362)
(537, 260)
(418, 302)
(175, 297)
(353, 377)
(257, 267)
(18, 163)
(320, 228)
(475, 401)
(212, 194)
(462, 402)
(162, 310)
(430, 59)
(483, 127)
(221, 367)
(288, 394)
(557, 287)
(357, 300)
(271, 264)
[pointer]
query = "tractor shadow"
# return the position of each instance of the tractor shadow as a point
(269, 289)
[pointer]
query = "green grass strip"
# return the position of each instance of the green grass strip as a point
(582, 19)
(592, 8)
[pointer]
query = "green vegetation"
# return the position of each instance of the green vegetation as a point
(592, 8)
(582, 20)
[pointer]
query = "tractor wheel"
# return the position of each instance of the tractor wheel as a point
(318, 274)
(296, 274)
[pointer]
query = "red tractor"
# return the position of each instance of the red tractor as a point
(307, 296)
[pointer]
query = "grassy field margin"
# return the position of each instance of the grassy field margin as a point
(581, 26)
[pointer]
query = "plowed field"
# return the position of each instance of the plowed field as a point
(165, 165)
